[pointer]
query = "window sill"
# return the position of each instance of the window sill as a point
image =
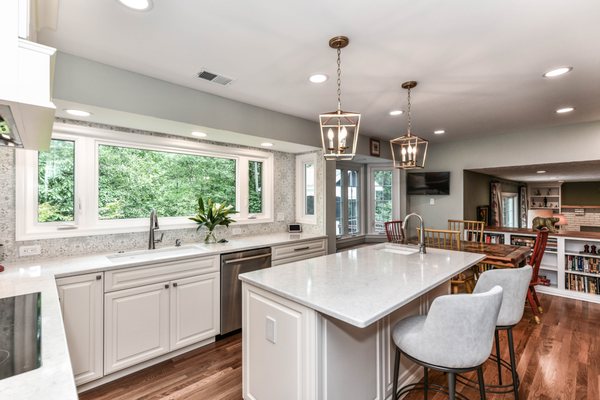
(112, 230)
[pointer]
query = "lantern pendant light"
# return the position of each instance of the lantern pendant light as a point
(409, 151)
(339, 129)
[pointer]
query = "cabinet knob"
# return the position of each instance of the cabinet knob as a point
(98, 277)
(166, 286)
(174, 284)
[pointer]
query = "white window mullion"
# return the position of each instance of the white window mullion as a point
(242, 193)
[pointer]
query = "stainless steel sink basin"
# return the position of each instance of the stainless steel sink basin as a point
(148, 255)
(398, 249)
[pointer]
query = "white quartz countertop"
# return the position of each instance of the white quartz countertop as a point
(54, 379)
(363, 285)
(66, 266)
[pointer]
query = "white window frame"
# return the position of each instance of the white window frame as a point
(371, 169)
(86, 219)
(301, 161)
(514, 197)
(360, 169)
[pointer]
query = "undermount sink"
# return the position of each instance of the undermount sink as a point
(398, 249)
(146, 255)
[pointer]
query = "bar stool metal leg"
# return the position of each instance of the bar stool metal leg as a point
(481, 383)
(513, 364)
(498, 361)
(396, 373)
(451, 386)
(425, 382)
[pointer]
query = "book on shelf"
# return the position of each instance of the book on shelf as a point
(493, 239)
(545, 281)
(583, 264)
(584, 284)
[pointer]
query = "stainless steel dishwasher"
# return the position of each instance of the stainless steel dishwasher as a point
(232, 265)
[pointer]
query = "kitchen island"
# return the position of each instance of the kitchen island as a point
(321, 328)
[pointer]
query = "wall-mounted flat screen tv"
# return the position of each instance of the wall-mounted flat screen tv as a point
(427, 183)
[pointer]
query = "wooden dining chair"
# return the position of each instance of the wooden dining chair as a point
(539, 247)
(394, 231)
(471, 231)
(450, 240)
(441, 238)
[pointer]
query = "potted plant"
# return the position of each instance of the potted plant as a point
(211, 216)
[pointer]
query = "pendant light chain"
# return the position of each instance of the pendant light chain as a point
(409, 112)
(339, 78)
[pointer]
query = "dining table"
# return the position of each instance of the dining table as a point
(498, 255)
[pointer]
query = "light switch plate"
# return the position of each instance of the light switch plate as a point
(432, 201)
(271, 330)
(33, 250)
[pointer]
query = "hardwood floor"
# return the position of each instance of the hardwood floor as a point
(557, 360)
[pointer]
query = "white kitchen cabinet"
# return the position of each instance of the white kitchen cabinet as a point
(136, 325)
(194, 304)
(288, 253)
(81, 305)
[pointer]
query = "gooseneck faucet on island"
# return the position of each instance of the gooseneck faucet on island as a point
(422, 248)
(153, 227)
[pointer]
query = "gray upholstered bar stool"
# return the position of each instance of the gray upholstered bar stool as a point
(515, 283)
(456, 336)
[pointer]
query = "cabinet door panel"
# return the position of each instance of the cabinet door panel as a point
(81, 306)
(194, 310)
(136, 325)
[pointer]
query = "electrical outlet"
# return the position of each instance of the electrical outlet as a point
(280, 217)
(432, 201)
(33, 250)
(236, 231)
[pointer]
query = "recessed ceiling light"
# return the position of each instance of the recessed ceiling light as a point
(138, 5)
(541, 171)
(199, 134)
(565, 110)
(439, 132)
(396, 112)
(78, 113)
(266, 144)
(557, 72)
(318, 78)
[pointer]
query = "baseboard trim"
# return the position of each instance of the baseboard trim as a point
(569, 294)
(138, 367)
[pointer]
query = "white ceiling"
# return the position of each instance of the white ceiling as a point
(479, 64)
(568, 172)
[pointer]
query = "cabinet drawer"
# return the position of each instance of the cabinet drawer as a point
(297, 249)
(298, 258)
(138, 276)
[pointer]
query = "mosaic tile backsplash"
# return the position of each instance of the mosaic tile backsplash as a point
(284, 194)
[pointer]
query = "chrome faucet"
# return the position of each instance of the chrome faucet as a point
(153, 227)
(422, 248)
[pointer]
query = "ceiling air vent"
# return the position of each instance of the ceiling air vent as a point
(214, 78)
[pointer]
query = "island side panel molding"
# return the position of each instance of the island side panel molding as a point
(409, 371)
(350, 360)
(279, 347)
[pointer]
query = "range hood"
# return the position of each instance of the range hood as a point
(26, 109)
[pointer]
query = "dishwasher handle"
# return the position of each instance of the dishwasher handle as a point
(238, 260)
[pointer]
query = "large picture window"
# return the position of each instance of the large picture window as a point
(133, 181)
(93, 181)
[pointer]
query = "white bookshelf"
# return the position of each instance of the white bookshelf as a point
(544, 196)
